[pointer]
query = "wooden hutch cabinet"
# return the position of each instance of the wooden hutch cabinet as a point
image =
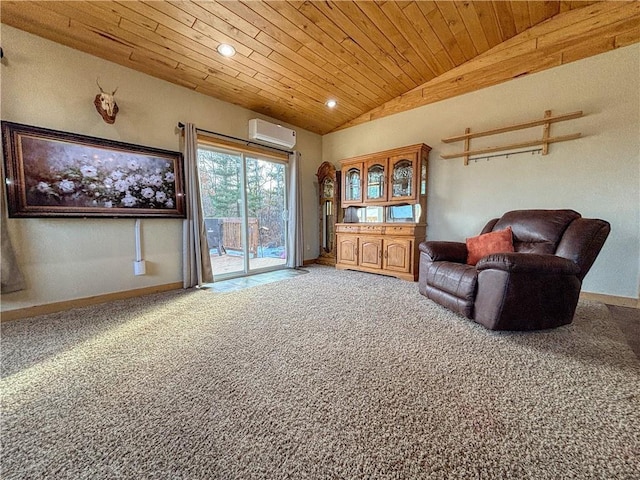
(384, 195)
(391, 177)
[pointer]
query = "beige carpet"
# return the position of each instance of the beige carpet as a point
(330, 375)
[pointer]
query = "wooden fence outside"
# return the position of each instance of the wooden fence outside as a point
(229, 230)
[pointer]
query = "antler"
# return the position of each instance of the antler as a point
(102, 91)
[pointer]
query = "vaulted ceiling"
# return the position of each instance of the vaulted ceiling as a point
(375, 58)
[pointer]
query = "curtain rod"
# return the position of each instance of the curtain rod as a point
(240, 140)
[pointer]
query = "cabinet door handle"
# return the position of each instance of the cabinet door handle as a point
(386, 254)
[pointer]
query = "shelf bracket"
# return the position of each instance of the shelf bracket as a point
(545, 133)
(467, 144)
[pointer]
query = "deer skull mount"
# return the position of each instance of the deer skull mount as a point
(106, 105)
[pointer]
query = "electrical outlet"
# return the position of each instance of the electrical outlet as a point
(139, 267)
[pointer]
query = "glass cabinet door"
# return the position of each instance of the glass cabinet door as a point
(352, 185)
(376, 171)
(403, 181)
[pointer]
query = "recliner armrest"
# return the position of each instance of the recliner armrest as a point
(445, 251)
(528, 262)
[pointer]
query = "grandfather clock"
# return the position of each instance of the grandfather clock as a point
(330, 211)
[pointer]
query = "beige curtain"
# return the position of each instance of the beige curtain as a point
(295, 253)
(11, 276)
(196, 263)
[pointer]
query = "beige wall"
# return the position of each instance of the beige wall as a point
(598, 175)
(48, 85)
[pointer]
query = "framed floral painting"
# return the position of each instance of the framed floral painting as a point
(58, 174)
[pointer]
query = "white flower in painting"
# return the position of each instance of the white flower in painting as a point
(67, 186)
(161, 197)
(108, 204)
(155, 180)
(117, 175)
(133, 164)
(108, 183)
(128, 200)
(169, 177)
(92, 186)
(43, 187)
(121, 185)
(147, 192)
(169, 203)
(89, 171)
(134, 179)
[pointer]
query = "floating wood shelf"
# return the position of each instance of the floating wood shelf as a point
(543, 142)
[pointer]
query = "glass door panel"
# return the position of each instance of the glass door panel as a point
(327, 227)
(402, 179)
(221, 197)
(376, 188)
(266, 201)
(243, 201)
(352, 186)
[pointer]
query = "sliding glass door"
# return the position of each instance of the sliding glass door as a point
(243, 202)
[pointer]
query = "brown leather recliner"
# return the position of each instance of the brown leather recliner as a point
(535, 287)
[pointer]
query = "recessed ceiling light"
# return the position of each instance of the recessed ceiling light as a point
(226, 50)
(331, 103)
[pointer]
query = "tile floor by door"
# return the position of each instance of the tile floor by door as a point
(235, 284)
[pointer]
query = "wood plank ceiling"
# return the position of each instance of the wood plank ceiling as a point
(374, 58)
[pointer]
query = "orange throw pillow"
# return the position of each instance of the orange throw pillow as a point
(493, 242)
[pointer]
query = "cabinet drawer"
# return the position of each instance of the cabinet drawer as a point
(360, 228)
(399, 230)
(347, 228)
(372, 229)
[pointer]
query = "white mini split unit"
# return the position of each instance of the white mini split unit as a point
(271, 133)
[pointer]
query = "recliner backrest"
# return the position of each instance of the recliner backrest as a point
(536, 231)
(582, 242)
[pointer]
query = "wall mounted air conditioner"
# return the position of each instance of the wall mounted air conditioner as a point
(271, 133)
